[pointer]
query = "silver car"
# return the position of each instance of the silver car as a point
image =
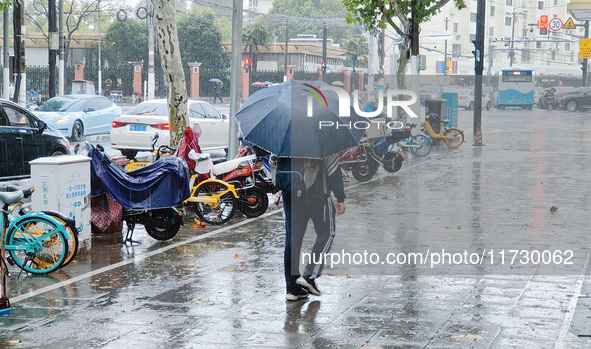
(135, 130)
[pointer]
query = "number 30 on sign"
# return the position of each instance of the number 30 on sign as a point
(555, 24)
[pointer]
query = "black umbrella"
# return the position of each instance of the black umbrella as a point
(276, 119)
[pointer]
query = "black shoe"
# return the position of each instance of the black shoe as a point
(308, 284)
(296, 294)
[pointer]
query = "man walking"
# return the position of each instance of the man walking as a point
(217, 92)
(313, 203)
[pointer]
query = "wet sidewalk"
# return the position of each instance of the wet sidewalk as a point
(223, 287)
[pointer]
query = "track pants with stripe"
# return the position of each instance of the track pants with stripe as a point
(298, 212)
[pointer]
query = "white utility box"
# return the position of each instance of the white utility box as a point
(62, 183)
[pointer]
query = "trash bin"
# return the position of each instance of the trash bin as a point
(435, 108)
(62, 183)
(116, 96)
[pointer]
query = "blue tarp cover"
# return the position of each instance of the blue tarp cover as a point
(164, 183)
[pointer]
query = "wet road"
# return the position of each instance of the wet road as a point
(221, 287)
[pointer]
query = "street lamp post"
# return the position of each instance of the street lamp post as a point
(100, 77)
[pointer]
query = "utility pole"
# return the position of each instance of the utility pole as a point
(512, 53)
(324, 63)
(6, 69)
(20, 85)
(414, 57)
(235, 76)
(100, 73)
(53, 45)
(445, 53)
(151, 80)
(286, 51)
(585, 61)
(62, 73)
(478, 67)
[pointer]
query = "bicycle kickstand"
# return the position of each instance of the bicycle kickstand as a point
(129, 235)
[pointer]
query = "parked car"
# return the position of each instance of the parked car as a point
(575, 101)
(559, 93)
(134, 130)
(79, 115)
(430, 92)
(466, 100)
(23, 137)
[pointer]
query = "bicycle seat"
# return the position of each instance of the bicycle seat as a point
(11, 197)
(445, 121)
(26, 189)
(229, 165)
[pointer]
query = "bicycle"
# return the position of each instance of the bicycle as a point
(36, 242)
(18, 210)
(453, 137)
(419, 144)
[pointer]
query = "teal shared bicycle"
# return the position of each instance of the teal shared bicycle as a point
(36, 242)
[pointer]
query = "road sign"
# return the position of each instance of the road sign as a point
(569, 24)
(555, 24)
(585, 48)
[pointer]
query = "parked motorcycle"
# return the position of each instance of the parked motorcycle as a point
(149, 195)
(364, 160)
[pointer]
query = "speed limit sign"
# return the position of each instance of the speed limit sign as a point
(555, 24)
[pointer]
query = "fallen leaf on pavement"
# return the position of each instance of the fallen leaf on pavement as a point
(238, 256)
(553, 209)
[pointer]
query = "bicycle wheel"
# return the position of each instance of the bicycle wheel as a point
(71, 235)
(425, 143)
(456, 141)
(40, 245)
(253, 202)
(218, 213)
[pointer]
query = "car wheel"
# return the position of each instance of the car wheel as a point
(128, 153)
(488, 105)
(471, 106)
(77, 131)
(58, 153)
(572, 105)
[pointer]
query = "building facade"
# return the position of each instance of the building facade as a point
(512, 36)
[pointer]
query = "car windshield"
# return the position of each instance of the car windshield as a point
(62, 104)
(158, 109)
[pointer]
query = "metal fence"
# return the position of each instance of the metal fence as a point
(121, 79)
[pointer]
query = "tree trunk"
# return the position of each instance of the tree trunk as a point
(172, 67)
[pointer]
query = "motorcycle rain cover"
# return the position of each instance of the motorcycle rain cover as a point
(165, 183)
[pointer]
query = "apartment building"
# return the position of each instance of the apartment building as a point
(511, 33)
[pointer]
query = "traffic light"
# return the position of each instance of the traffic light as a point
(323, 67)
(247, 65)
(544, 25)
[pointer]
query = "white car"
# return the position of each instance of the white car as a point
(466, 100)
(135, 130)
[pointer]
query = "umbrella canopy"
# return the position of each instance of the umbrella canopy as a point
(276, 119)
(215, 80)
(258, 84)
(337, 83)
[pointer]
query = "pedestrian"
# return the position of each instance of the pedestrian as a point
(217, 92)
(308, 199)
